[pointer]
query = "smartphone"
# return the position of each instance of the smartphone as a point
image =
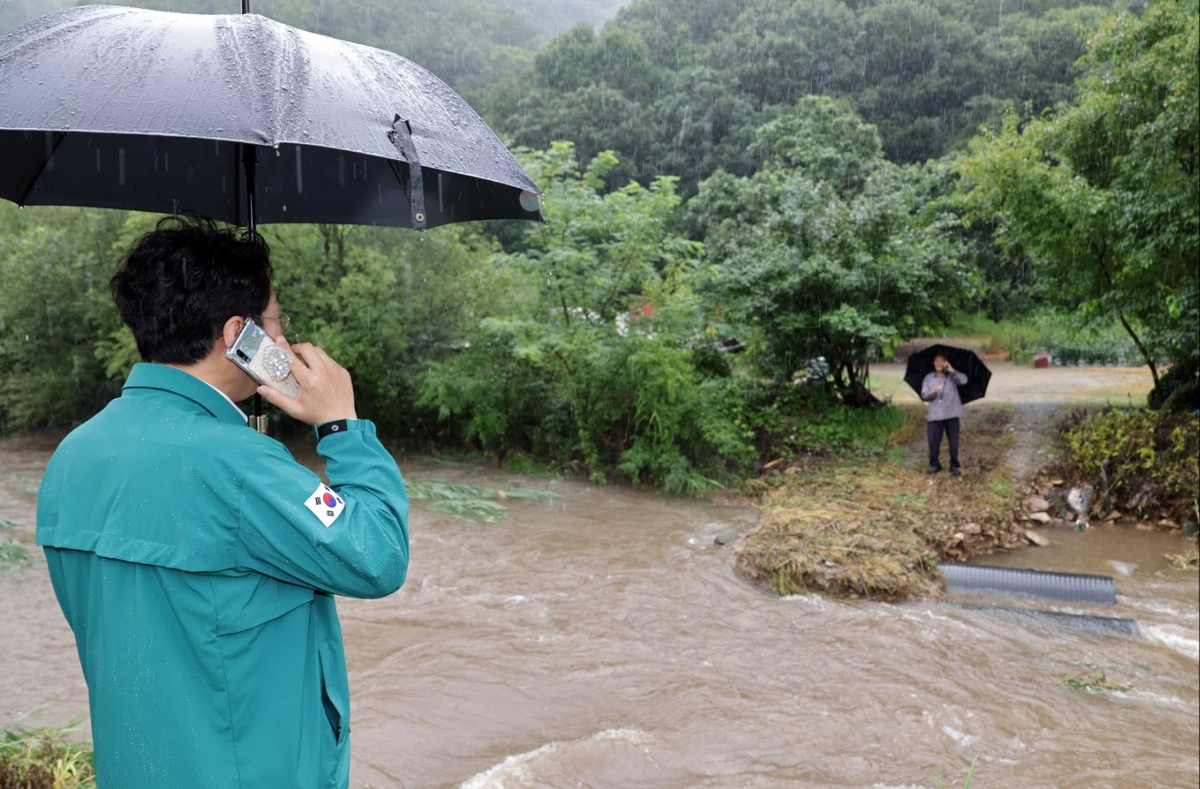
(264, 361)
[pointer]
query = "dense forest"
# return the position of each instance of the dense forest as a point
(732, 189)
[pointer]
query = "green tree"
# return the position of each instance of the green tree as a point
(55, 264)
(595, 365)
(385, 303)
(1101, 192)
(679, 88)
(551, 17)
(827, 251)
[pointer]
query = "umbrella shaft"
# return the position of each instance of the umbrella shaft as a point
(249, 165)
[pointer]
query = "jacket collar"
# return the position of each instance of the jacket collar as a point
(147, 375)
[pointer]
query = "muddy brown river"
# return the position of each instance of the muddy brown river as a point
(602, 640)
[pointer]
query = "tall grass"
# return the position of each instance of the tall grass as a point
(33, 758)
(1069, 339)
(911, 428)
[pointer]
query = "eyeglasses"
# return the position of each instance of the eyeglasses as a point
(284, 319)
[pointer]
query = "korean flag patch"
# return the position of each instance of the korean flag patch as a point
(325, 504)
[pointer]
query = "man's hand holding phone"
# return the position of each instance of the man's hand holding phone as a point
(326, 391)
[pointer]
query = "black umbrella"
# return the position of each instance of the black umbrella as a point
(242, 119)
(920, 364)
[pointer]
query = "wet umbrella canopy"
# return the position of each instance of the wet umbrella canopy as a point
(116, 107)
(920, 364)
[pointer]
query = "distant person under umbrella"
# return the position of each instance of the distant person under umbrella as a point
(940, 390)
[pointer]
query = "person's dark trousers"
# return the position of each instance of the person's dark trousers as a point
(935, 429)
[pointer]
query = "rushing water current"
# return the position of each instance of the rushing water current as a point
(602, 640)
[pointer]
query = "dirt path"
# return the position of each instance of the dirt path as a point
(1032, 446)
(1032, 398)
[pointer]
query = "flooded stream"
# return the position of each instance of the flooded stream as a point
(601, 640)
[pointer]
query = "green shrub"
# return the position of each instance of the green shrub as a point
(55, 264)
(602, 358)
(1140, 456)
(36, 758)
(788, 421)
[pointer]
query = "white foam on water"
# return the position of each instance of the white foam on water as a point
(519, 770)
(1124, 568)
(1168, 610)
(1160, 698)
(808, 600)
(958, 736)
(1175, 638)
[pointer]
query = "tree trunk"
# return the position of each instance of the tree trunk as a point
(1102, 260)
(1149, 357)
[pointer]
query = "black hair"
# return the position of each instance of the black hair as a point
(179, 283)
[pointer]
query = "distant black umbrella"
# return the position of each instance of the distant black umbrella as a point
(242, 119)
(920, 364)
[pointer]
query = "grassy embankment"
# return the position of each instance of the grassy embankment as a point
(875, 526)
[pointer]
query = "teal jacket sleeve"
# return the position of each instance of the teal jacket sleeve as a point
(348, 538)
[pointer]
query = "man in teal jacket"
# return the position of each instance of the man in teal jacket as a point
(195, 559)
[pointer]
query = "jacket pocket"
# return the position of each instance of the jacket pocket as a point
(335, 693)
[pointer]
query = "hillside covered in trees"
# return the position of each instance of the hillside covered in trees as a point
(787, 179)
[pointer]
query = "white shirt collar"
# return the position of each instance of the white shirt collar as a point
(230, 401)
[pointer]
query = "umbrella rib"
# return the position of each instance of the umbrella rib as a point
(401, 137)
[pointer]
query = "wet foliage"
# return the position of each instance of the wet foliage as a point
(472, 503)
(1094, 682)
(39, 758)
(1188, 560)
(829, 250)
(679, 88)
(1139, 461)
(13, 555)
(1100, 192)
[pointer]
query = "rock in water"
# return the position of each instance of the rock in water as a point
(726, 537)
(1036, 539)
